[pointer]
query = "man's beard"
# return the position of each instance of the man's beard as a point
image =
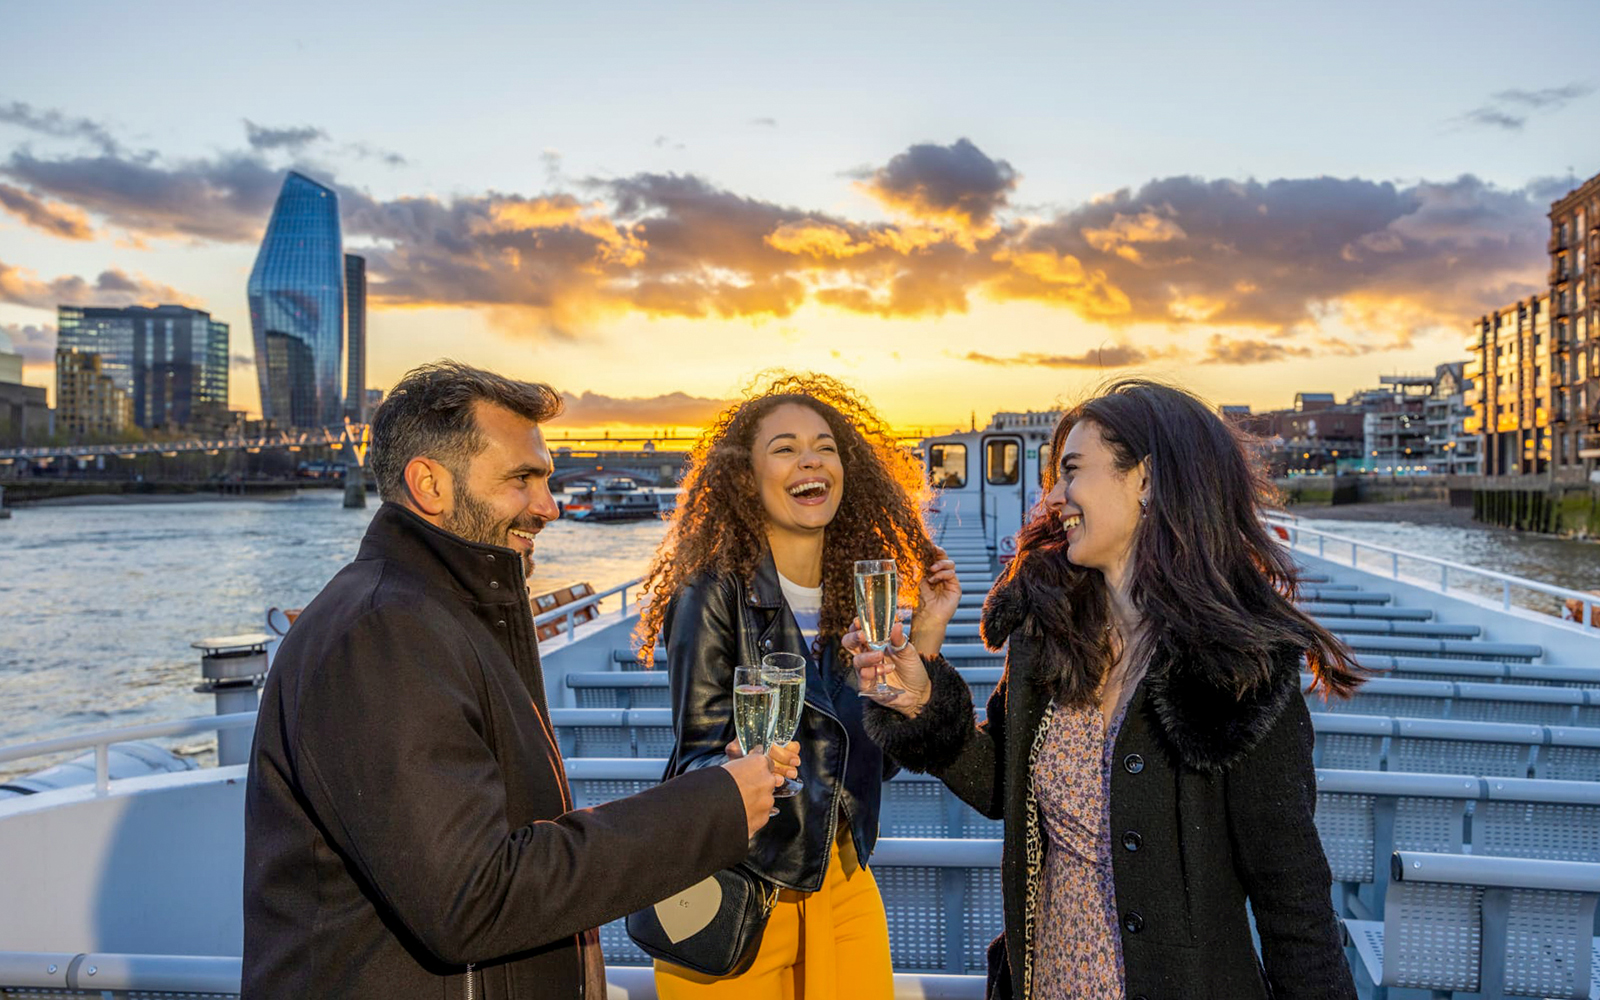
(473, 520)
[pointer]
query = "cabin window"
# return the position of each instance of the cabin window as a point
(1003, 465)
(947, 466)
(1044, 463)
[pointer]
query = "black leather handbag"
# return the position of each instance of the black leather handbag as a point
(714, 927)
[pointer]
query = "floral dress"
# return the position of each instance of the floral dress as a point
(1077, 949)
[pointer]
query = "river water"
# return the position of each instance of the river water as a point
(98, 604)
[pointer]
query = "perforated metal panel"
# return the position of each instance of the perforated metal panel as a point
(618, 947)
(602, 741)
(1537, 830)
(1570, 763)
(587, 792)
(1589, 715)
(653, 741)
(1547, 934)
(1533, 712)
(913, 809)
(1434, 825)
(599, 697)
(1432, 936)
(915, 906)
(1500, 760)
(981, 690)
(1411, 705)
(975, 824)
(1349, 751)
(983, 918)
(1344, 823)
(651, 697)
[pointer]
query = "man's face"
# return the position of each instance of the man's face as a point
(504, 498)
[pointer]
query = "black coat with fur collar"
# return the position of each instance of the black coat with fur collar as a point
(1211, 805)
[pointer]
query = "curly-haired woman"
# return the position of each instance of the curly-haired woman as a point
(785, 492)
(1148, 747)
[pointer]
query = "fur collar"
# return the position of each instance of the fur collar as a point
(1204, 724)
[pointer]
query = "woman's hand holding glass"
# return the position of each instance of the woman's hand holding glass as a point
(900, 665)
(938, 597)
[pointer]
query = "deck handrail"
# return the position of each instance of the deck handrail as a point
(566, 611)
(213, 975)
(1446, 566)
(103, 740)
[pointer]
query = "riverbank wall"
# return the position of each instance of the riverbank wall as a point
(1524, 503)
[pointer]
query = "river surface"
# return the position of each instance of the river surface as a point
(98, 605)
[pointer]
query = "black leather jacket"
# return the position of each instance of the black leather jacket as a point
(717, 622)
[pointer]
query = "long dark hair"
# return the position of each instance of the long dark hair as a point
(720, 523)
(1208, 581)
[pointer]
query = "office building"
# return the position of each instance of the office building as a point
(296, 293)
(1575, 332)
(170, 361)
(355, 311)
(89, 402)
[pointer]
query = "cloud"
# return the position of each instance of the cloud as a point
(669, 410)
(1509, 110)
(226, 199)
(765, 122)
(36, 344)
(111, 288)
(1280, 256)
(1114, 356)
(1549, 97)
(1244, 351)
(57, 125)
(292, 138)
(1285, 254)
(957, 183)
(64, 221)
(237, 362)
(1495, 118)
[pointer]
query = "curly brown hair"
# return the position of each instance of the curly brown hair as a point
(720, 522)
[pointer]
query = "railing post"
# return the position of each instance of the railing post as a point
(1506, 593)
(1394, 564)
(102, 767)
(1444, 579)
(1322, 546)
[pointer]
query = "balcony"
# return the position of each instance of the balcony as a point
(1558, 241)
(1560, 272)
(1589, 446)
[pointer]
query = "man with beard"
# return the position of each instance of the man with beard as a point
(408, 827)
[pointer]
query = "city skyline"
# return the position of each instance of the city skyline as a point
(997, 230)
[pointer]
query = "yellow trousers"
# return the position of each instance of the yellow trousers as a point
(819, 945)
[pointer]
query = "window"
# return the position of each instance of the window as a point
(1044, 463)
(947, 466)
(1001, 464)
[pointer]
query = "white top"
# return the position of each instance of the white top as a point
(806, 605)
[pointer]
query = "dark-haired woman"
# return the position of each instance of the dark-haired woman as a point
(783, 494)
(1148, 747)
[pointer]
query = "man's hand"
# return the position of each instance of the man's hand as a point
(785, 759)
(757, 780)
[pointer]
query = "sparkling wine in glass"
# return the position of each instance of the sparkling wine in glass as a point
(753, 700)
(877, 597)
(785, 673)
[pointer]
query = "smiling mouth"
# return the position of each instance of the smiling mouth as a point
(1072, 521)
(809, 492)
(526, 536)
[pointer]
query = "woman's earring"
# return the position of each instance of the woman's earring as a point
(1144, 506)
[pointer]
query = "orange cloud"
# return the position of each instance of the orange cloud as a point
(56, 219)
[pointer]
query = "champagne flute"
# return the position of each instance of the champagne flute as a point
(753, 702)
(785, 673)
(877, 593)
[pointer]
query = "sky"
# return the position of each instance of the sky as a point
(957, 208)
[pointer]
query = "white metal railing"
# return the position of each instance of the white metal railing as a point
(1446, 567)
(103, 740)
(221, 975)
(566, 611)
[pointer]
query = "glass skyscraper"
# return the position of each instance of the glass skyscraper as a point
(355, 308)
(171, 361)
(296, 295)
